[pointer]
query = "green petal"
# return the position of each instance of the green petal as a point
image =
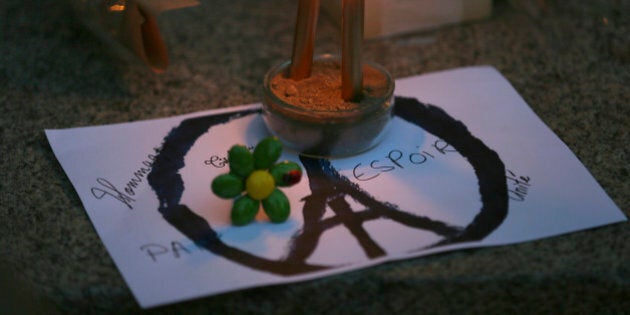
(244, 210)
(227, 186)
(286, 173)
(241, 160)
(277, 206)
(267, 152)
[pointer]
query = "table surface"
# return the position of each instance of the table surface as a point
(568, 59)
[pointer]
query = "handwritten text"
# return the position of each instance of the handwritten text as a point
(518, 186)
(397, 159)
(106, 189)
(220, 161)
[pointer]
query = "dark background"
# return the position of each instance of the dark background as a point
(568, 59)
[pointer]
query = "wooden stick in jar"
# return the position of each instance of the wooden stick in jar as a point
(304, 39)
(352, 12)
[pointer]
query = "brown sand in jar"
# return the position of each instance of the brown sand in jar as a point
(311, 117)
(322, 90)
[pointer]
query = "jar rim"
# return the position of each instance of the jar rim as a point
(374, 105)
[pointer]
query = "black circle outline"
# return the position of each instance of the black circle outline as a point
(168, 185)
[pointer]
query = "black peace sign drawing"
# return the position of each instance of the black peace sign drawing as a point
(329, 189)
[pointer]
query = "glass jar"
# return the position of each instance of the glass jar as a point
(323, 130)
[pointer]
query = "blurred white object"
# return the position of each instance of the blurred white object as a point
(388, 17)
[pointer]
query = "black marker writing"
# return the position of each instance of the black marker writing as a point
(108, 189)
(518, 186)
(139, 175)
(176, 249)
(397, 159)
(443, 146)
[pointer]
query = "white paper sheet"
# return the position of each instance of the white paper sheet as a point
(477, 169)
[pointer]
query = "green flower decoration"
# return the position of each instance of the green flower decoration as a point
(254, 178)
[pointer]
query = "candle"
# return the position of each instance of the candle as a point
(352, 12)
(304, 39)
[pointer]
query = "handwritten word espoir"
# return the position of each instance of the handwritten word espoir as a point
(216, 161)
(106, 189)
(397, 159)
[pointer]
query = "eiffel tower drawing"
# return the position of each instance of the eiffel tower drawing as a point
(329, 189)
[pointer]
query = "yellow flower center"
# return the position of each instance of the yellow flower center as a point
(259, 184)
